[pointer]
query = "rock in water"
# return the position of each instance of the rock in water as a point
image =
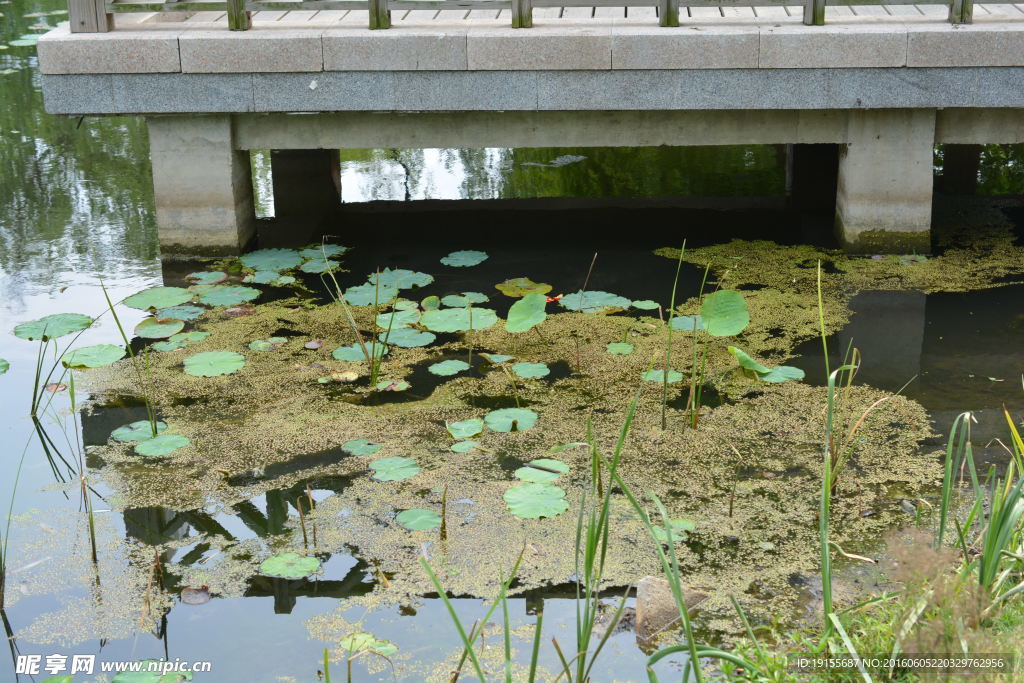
(656, 607)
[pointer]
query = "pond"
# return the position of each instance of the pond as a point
(289, 441)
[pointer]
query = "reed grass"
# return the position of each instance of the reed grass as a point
(668, 342)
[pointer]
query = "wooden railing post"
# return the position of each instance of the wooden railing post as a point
(238, 18)
(89, 16)
(961, 12)
(668, 12)
(380, 15)
(814, 12)
(522, 13)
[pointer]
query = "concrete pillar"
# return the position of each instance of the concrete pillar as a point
(884, 195)
(305, 191)
(202, 186)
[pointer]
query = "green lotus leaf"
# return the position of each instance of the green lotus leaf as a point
(98, 356)
(566, 446)
(496, 358)
(620, 348)
(398, 320)
(542, 471)
(206, 277)
(181, 312)
(521, 286)
(269, 344)
(165, 346)
(465, 429)
(724, 313)
(271, 259)
(687, 323)
(463, 446)
(4, 366)
(408, 338)
(534, 501)
(510, 419)
(455, 301)
(289, 566)
(354, 352)
(476, 297)
(400, 278)
(369, 295)
(459, 319)
(158, 328)
(782, 373)
(282, 281)
(394, 469)
(360, 447)
(193, 336)
(158, 297)
(431, 303)
(214, 363)
(462, 259)
(746, 362)
(393, 385)
(52, 326)
(659, 376)
(418, 519)
(137, 431)
(362, 642)
(645, 305)
(531, 370)
(262, 277)
(161, 445)
(447, 368)
(405, 305)
(526, 313)
(594, 302)
(680, 528)
(323, 250)
(220, 295)
(319, 265)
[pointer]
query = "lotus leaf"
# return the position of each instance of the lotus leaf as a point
(158, 328)
(526, 313)
(461, 259)
(398, 320)
(362, 642)
(354, 352)
(687, 323)
(645, 305)
(724, 313)
(158, 297)
(137, 431)
(659, 376)
(446, 368)
(680, 529)
(214, 363)
(271, 259)
(465, 429)
(319, 265)
(405, 305)
(400, 278)
(181, 312)
(97, 356)
(394, 469)
(4, 366)
(206, 277)
(510, 419)
(534, 501)
(620, 348)
(392, 385)
(542, 471)
(221, 295)
(521, 286)
(476, 297)
(360, 447)
(463, 446)
(431, 303)
(193, 336)
(594, 302)
(283, 280)
(782, 373)
(566, 446)
(459, 319)
(321, 250)
(52, 326)
(496, 358)
(408, 338)
(289, 566)
(455, 301)
(531, 370)
(418, 519)
(165, 346)
(368, 295)
(269, 344)
(262, 277)
(161, 445)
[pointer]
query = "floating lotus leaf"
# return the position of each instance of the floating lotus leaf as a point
(158, 328)
(214, 363)
(408, 338)
(724, 313)
(319, 265)
(193, 336)
(369, 295)
(594, 302)
(521, 286)
(431, 303)
(392, 385)
(394, 469)
(158, 297)
(269, 344)
(321, 250)
(534, 501)
(680, 528)
(405, 305)
(455, 301)
(496, 358)
(418, 519)
(362, 642)
(228, 296)
(271, 259)
(360, 447)
(98, 356)
(165, 346)
(526, 313)
(4, 366)
(262, 277)
(531, 370)
(620, 348)
(161, 445)
(566, 446)
(510, 419)
(137, 431)
(659, 376)
(354, 352)
(462, 259)
(687, 323)
(782, 373)
(465, 429)
(459, 319)
(542, 471)
(645, 305)
(289, 566)
(400, 278)
(181, 312)
(206, 277)
(397, 320)
(52, 326)
(476, 297)
(463, 446)
(447, 368)
(283, 280)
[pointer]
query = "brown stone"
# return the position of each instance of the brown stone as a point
(656, 606)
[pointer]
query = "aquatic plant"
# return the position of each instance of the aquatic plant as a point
(465, 429)
(289, 566)
(620, 348)
(510, 419)
(782, 373)
(97, 356)
(459, 319)
(541, 471)
(400, 278)
(594, 302)
(272, 259)
(521, 286)
(53, 326)
(536, 500)
(418, 519)
(158, 297)
(531, 370)
(4, 366)
(526, 313)
(207, 277)
(214, 363)
(394, 469)
(446, 368)
(666, 374)
(161, 445)
(226, 295)
(158, 328)
(462, 259)
(360, 447)
(137, 431)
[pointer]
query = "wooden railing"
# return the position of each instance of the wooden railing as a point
(95, 16)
